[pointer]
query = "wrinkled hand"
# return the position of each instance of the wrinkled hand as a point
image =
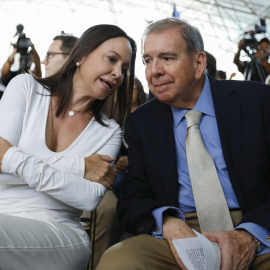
(98, 169)
(174, 228)
(237, 248)
(4, 146)
(121, 164)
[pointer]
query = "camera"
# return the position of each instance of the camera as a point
(24, 46)
(250, 42)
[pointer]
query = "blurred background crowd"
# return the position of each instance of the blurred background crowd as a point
(232, 31)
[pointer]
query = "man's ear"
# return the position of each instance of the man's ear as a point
(200, 64)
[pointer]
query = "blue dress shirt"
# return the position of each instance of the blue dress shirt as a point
(210, 135)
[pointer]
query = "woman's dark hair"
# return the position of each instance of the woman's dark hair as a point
(141, 93)
(116, 106)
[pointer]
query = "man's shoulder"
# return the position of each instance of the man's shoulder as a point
(151, 106)
(244, 87)
(150, 111)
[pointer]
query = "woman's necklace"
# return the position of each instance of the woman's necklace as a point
(72, 112)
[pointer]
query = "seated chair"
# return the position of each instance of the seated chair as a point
(88, 219)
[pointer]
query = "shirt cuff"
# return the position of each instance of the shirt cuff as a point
(260, 233)
(6, 166)
(158, 215)
(81, 167)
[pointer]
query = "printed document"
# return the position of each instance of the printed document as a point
(198, 253)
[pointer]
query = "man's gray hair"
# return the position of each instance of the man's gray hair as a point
(191, 35)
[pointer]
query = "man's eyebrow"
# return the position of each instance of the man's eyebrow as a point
(145, 55)
(167, 54)
(161, 54)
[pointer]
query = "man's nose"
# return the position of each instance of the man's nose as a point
(44, 61)
(157, 67)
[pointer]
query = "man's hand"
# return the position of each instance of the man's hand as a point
(4, 146)
(175, 228)
(98, 169)
(237, 248)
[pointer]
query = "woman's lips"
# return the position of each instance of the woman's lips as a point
(108, 84)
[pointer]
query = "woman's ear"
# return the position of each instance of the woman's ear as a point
(79, 60)
(200, 62)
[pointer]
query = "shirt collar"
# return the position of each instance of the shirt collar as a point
(204, 104)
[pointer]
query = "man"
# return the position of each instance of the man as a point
(58, 53)
(211, 64)
(26, 62)
(221, 75)
(258, 68)
(158, 198)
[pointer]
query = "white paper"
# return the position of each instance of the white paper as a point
(198, 253)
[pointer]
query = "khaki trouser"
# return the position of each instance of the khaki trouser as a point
(108, 230)
(145, 252)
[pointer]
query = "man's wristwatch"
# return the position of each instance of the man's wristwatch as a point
(259, 246)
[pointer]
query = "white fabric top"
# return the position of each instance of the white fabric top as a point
(36, 182)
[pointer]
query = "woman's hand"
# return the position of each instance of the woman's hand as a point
(98, 169)
(4, 146)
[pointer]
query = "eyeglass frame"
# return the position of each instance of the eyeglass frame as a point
(49, 55)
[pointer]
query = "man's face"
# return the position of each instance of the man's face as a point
(265, 48)
(171, 74)
(54, 59)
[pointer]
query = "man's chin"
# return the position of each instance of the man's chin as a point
(165, 98)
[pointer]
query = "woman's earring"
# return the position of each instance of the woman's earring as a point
(78, 64)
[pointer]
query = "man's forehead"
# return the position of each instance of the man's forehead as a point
(56, 44)
(162, 42)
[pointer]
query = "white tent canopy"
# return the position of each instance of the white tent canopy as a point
(221, 22)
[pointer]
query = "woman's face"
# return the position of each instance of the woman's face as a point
(102, 71)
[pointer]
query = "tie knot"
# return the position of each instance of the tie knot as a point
(193, 118)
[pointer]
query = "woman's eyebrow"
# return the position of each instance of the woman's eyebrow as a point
(116, 54)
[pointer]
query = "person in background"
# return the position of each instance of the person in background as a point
(108, 230)
(260, 58)
(111, 233)
(58, 53)
(7, 74)
(211, 64)
(56, 147)
(195, 162)
(138, 98)
(221, 75)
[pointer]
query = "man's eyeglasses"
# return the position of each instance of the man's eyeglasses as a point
(49, 55)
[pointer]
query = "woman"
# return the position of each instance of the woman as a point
(63, 139)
